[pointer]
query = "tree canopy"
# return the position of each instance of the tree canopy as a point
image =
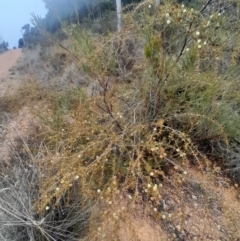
(76, 10)
(3, 46)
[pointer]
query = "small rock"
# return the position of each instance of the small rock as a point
(178, 227)
(194, 197)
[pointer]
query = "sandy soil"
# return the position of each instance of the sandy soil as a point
(9, 82)
(8, 60)
(8, 78)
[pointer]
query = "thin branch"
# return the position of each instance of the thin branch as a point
(205, 6)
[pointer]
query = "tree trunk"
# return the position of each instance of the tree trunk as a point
(158, 2)
(119, 18)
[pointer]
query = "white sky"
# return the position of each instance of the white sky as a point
(16, 13)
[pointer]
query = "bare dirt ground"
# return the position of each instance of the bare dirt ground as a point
(203, 206)
(8, 60)
(12, 130)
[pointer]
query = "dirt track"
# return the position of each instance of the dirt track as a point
(9, 80)
(8, 60)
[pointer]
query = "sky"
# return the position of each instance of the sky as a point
(14, 14)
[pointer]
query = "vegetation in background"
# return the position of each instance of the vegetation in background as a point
(162, 98)
(3, 46)
(97, 15)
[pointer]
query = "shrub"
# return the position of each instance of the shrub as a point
(160, 109)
